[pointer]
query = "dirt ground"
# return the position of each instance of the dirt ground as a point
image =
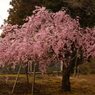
(47, 85)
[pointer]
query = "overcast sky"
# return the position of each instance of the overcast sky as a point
(4, 6)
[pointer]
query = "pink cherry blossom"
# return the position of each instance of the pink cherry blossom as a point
(46, 37)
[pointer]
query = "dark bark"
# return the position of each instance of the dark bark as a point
(66, 79)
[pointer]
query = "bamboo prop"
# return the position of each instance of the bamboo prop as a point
(16, 78)
(75, 68)
(29, 67)
(78, 72)
(33, 82)
(27, 76)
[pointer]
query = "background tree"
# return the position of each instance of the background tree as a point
(85, 9)
(54, 5)
(23, 8)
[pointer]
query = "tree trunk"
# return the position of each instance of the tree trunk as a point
(66, 79)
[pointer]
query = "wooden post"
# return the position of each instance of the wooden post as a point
(75, 68)
(31, 67)
(78, 71)
(61, 66)
(27, 75)
(16, 78)
(33, 82)
(28, 67)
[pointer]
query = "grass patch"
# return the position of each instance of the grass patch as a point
(48, 85)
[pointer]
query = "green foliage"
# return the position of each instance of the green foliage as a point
(49, 71)
(22, 8)
(85, 9)
(7, 69)
(87, 68)
(54, 5)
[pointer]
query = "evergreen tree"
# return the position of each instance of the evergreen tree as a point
(23, 8)
(54, 5)
(85, 9)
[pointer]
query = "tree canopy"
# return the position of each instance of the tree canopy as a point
(45, 37)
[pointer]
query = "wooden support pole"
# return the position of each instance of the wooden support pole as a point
(31, 67)
(16, 78)
(33, 82)
(28, 65)
(75, 68)
(27, 75)
(61, 66)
